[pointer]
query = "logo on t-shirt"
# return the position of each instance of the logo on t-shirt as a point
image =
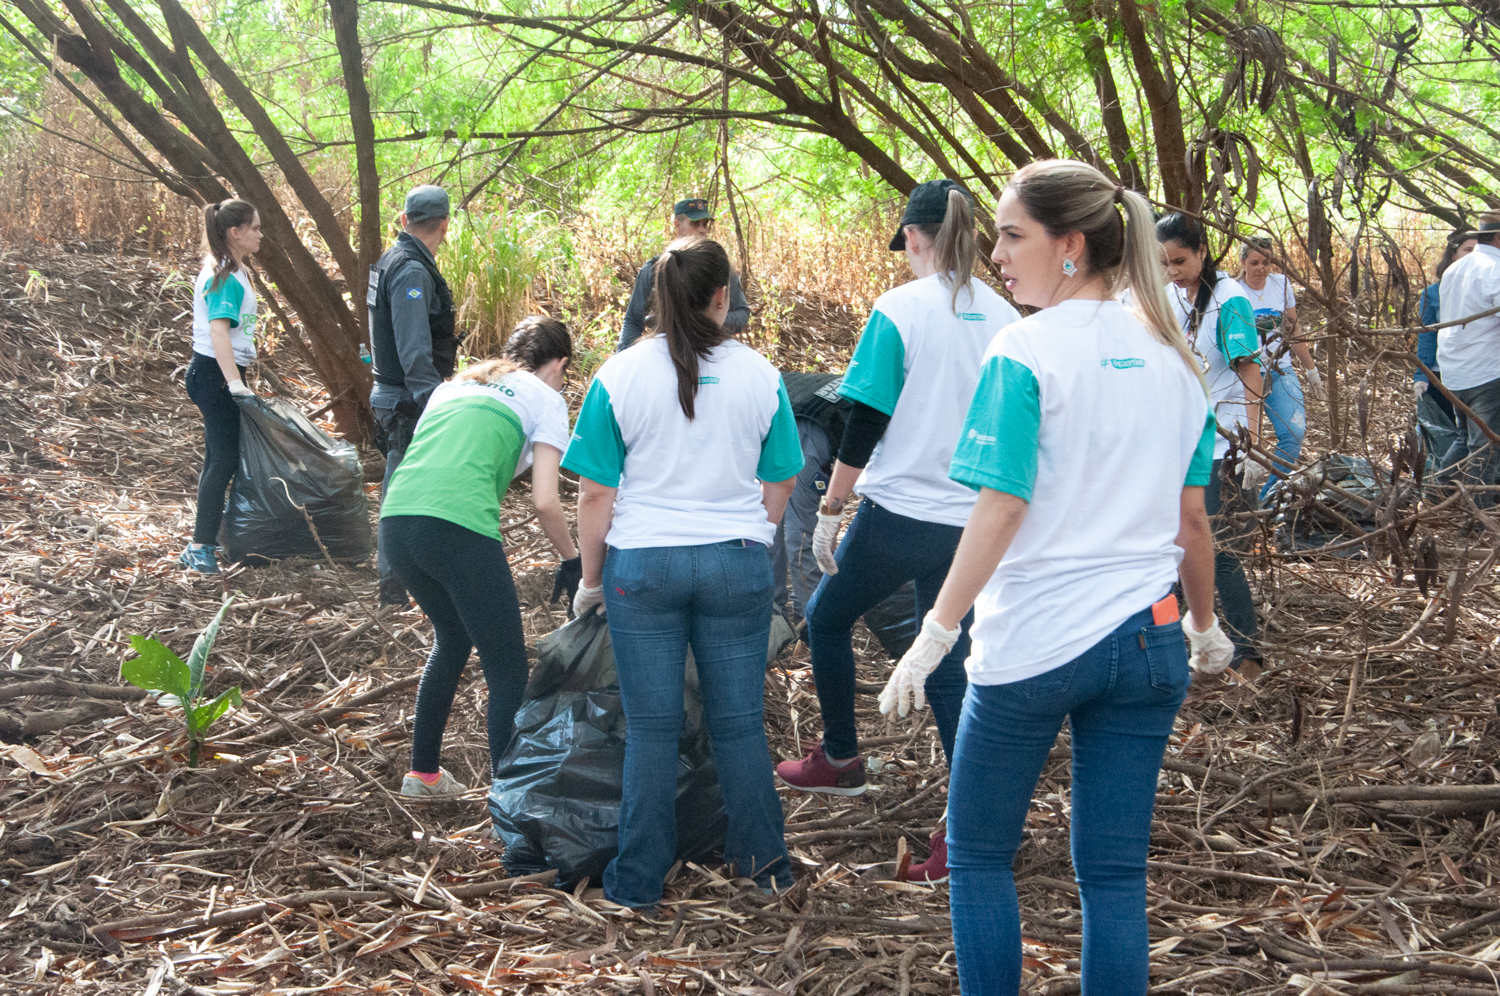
(1125, 364)
(980, 439)
(708, 380)
(971, 316)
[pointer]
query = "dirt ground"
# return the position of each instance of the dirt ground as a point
(1328, 818)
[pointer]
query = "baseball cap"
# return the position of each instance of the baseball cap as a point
(696, 208)
(426, 202)
(927, 205)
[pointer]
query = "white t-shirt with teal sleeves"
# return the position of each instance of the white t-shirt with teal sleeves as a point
(681, 482)
(1083, 414)
(1226, 333)
(233, 299)
(1270, 305)
(914, 340)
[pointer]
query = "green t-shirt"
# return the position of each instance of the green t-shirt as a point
(467, 446)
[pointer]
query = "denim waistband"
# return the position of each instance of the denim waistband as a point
(742, 542)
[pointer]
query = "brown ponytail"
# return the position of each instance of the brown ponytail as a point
(218, 219)
(686, 276)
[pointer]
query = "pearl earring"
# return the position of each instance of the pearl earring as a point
(1068, 268)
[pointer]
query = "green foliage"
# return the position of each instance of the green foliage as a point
(490, 264)
(156, 668)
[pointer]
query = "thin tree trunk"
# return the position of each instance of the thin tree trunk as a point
(351, 58)
(1166, 112)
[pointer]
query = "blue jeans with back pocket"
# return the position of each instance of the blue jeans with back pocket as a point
(715, 598)
(1121, 696)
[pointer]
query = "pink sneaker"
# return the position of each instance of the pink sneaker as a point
(935, 868)
(814, 773)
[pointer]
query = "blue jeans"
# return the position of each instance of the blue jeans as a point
(880, 552)
(716, 598)
(1121, 697)
(1288, 411)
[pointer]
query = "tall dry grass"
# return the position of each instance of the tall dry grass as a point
(56, 190)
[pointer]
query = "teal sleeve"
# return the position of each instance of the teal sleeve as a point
(225, 302)
(1238, 336)
(781, 450)
(1202, 465)
(597, 451)
(877, 371)
(997, 448)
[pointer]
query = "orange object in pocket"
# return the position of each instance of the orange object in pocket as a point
(1165, 611)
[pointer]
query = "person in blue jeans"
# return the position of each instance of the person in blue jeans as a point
(1275, 308)
(1089, 441)
(910, 379)
(687, 450)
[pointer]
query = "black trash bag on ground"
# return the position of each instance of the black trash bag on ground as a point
(555, 798)
(1438, 431)
(894, 621)
(286, 461)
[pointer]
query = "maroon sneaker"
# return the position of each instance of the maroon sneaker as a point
(935, 868)
(814, 773)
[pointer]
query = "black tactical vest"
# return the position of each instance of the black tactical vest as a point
(815, 397)
(387, 360)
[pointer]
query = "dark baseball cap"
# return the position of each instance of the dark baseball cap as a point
(696, 208)
(927, 205)
(426, 202)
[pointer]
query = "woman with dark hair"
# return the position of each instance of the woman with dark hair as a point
(1088, 441)
(1216, 318)
(224, 310)
(1275, 306)
(911, 378)
(687, 450)
(440, 527)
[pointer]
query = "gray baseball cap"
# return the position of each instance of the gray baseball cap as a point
(426, 202)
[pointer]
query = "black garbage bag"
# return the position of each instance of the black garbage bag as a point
(555, 799)
(894, 621)
(285, 462)
(1438, 432)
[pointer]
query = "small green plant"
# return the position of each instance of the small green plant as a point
(157, 669)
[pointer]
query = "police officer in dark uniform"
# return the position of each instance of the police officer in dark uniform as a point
(412, 338)
(691, 216)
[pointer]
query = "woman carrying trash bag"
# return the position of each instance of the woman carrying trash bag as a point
(1215, 315)
(440, 528)
(223, 346)
(1274, 305)
(1089, 441)
(687, 449)
(911, 378)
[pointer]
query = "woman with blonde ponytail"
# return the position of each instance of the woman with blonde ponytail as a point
(224, 311)
(1089, 441)
(910, 379)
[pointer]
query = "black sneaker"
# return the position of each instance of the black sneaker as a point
(393, 592)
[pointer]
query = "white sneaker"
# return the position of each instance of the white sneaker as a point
(413, 787)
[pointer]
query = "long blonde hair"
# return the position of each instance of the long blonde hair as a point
(1064, 196)
(954, 247)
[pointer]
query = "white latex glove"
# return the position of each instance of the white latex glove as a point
(907, 688)
(1419, 388)
(1315, 385)
(824, 536)
(1253, 476)
(587, 599)
(238, 387)
(1212, 650)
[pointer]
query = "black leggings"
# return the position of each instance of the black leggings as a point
(221, 443)
(461, 580)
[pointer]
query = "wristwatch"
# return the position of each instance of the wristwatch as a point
(824, 508)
